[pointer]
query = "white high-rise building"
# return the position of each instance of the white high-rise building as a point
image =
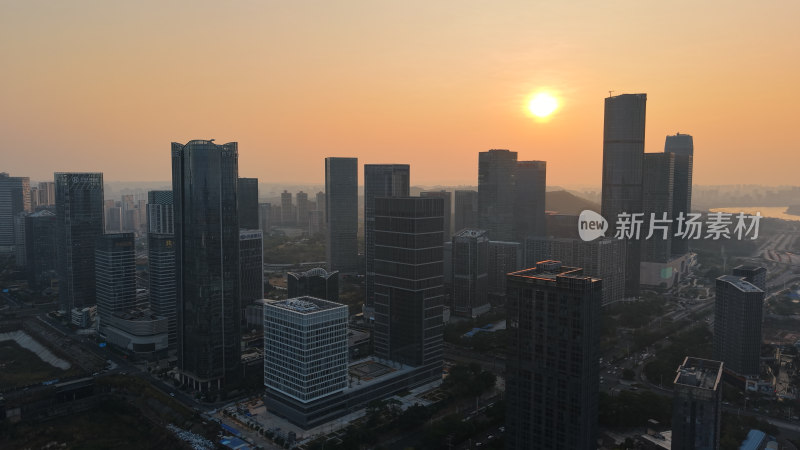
(305, 347)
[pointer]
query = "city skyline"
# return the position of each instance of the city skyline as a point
(431, 81)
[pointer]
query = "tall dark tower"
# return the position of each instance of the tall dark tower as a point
(161, 259)
(204, 177)
(552, 369)
(79, 223)
(657, 190)
(380, 180)
(248, 203)
(409, 285)
(530, 183)
(623, 154)
(466, 210)
(341, 214)
(496, 170)
(682, 146)
(738, 312)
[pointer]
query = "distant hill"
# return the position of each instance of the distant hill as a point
(564, 202)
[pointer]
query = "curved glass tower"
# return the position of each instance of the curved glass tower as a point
(204, 185)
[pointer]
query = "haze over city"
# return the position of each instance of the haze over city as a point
(97, 86)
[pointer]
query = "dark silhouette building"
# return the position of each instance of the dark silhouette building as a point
(552, 369)
(15, 198)
(204, 185)
(40, 248)
(161, 259)
(657, 189)
(115, 268)
(496, 169)
(470, 273)
(448, 211)
(530, 182)
(380, 180)
(341, 214)
(466, 210)
(79, 223)
(623, 153)
(682, 146)
(317, 283)
(248, 203)
(251, 268)
(697, 405)
(737, 320)
(409, 289)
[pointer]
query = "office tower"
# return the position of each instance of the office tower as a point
(115, 268)
(19, 239)
(317, 283)
(287, 209)
(302, 209)
(141, 211)
(755, 275)
(315, 222)
(682, 146)
(14, 199)
(529, 199)
(623, 151)
(602, 258)
(204, 178)
(448, 210)
(40, 248)
(552, 381)
(247, 196)
(737, 321)
(697, 405)
(79, 215)
(562, 225)
(341, 214)
(470, 273)
(251, 267)
(380, 180)
(34, 196)
(504, 258)
(496, 170)
(47, 193)
(113, 219)
(657, 186)
(321, 205)
(161, 265)
(160, 212)
(315, 329)
(408, 281)
(265, 217)
(466, 210)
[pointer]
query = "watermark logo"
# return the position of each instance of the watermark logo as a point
(591, 225)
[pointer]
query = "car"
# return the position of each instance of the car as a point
(503, 429)
(490, 436)
(172, 394)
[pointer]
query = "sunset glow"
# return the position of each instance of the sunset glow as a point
(542, 104)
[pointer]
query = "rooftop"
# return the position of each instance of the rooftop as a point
(470, 233)
(699, 373)
(549, 270)
(739, 283)
(305, 304)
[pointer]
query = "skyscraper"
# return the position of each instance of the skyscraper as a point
(40, 247)
(248, 203)
(160, 212)
(204, 178)
(552, 369)
(504, 258)
(697, 405)
(737, 320)
(448, 210)
(115, 266)
(623, 152)
(341, 214)
(470, 272)
(682, 146)
(251, 268)
(657, 187)
(409, 288)
(496, 170)
(265, 217)
(14, 199)
(302, 209)
(380, 180)
(287, 209)
(161, 259)
(321, 204)
(466, 210)
(79, 215)
(529, 199)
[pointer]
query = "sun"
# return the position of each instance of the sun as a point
(542, 104)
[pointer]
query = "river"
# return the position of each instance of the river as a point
(775, 212)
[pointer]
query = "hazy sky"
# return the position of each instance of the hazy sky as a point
(106, 86)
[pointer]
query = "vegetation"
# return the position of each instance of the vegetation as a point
(279, 249)
(633, 409)
(21, 367)
(735, 428)
(694, 342)
(454, 331)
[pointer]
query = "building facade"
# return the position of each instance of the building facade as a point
(115, 268)
(380, 180)
(305, 347)
(682, 146)
(14, 199)
(316, 282)
(448, 210)
(623, 154)
(657, 188)
(40, 248)
(496, 169)
(470, 273)
(697, 405)
(204, 185)
(504, 258)
(251, 267)
(737, 321)
(341, 214)
(530, 183)
(248, 203)
(552, 370)
(466, 210)
(79, 223)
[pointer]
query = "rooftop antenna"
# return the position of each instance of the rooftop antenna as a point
(609, 93)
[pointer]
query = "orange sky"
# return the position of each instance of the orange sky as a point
(106, 86)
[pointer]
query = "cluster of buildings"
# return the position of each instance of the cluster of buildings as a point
(424, 257)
